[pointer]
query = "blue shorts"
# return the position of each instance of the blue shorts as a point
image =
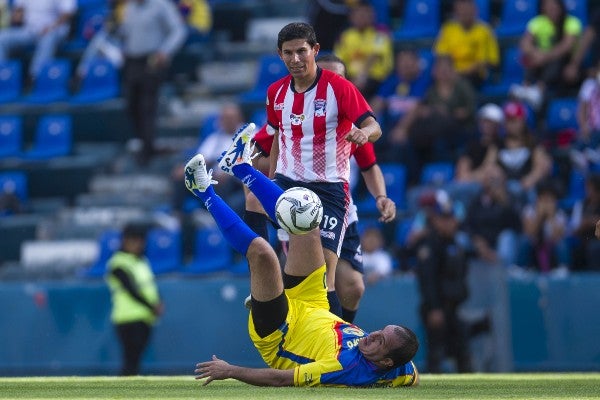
(335, 199)
(351, 251)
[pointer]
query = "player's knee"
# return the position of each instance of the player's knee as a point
(260, 254)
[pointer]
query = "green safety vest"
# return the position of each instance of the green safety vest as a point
(125, 307)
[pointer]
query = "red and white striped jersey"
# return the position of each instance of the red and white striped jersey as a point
(313, 125)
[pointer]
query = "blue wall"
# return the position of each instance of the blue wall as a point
(63, 328)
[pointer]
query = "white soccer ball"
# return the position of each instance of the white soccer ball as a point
(299, 210)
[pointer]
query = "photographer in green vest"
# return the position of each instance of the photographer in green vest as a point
(136, 302)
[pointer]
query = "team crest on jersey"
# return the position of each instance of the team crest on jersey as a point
(278, 106)
(320, 105)
(297, 119)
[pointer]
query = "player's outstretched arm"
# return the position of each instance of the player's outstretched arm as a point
(217, 369)
(376, 186)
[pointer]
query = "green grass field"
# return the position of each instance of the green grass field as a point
(469, 386)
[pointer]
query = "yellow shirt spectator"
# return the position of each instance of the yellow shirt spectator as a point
(475, 47)
(369, 50)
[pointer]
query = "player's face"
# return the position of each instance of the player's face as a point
(333, 66)
(377, 345)
(299, 58)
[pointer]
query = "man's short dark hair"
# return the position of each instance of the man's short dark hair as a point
(329, 57)
(409, 344)
(297, 30)
(135, 230)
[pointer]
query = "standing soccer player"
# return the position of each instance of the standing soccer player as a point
(316, 115)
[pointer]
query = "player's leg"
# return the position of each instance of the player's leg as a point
(349, 283)
(265, 274)
(306, 257)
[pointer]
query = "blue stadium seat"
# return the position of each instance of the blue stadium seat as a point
(514, 17)
(420, 19)
(484, 9)
(52, 84)
(259, 117)
(561, 114)
(108, 243)
(53, 138)
(270, 69)
(14, 182)
(212, 253)
(575, 190)
(163, 249)
(11, 80)
(394, 176)
(11, 136)
(382, 12)
(437, 173)
(209, 124)
(579, 9)
(88, 20)
(101, 83)
(511, 72)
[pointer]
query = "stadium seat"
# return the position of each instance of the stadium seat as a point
(420, 19)
(259, 117)
(163, 249)
(514, 17)
(108, 243)
(382, 12)
(209, 124)
(511, 72)
(212, 253)
(87, 21)
(14, 182)
(11, 81)
(270, 69)
(437, 173)
(52, 84)
(483, 6)
(101, 83)
(575, 190)
(561, 114)
(579, 9)
(394, 176)
(53, 138)
(11, 136)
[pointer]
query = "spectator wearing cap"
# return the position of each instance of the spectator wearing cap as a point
(442, 276)
(523, 159)
(470, 167)
(136, 303)
(544, 246)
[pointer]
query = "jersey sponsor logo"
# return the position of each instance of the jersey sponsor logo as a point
(320, 105)
(278, 106)
(352, 330)
(328, 235)
(296, 119)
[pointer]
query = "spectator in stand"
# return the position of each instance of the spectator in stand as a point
(329, 17)
(524, 161)
(231, 118)
(198, 17)
(398, 95)
(442, 276)
(4, 14)
(492, 220)
(470, 42)
(377, 261)
(104, 44)
(43, 23)
(586, 249)
(544, 245)
(470, 169)
(152, 31)
(546, 47)
(587, 52)
(366, 49)
(439, 126)
(584, 151)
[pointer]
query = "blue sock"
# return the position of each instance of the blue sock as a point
(266, 191)
(237, 233)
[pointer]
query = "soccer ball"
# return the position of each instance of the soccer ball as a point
(299, 210)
